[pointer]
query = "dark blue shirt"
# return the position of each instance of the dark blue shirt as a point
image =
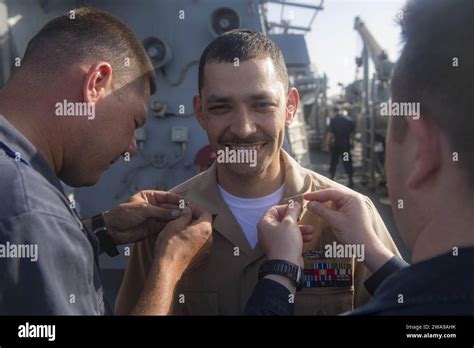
(62, 276)
(269, 298)
(342, 127)
(443, 285)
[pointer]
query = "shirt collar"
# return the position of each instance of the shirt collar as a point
(205, 193)
(17, 142)
(298, 181)
(442, 272)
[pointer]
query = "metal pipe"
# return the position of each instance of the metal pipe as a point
(5, 52)
(295, 4)
(277, 25)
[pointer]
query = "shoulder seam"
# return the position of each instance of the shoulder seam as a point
(23, 187)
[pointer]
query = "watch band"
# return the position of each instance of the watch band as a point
(284, 268)
(103, 235)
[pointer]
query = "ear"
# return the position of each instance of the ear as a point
(197, 106)
(98, 82)
(426, 139)
(291, 105)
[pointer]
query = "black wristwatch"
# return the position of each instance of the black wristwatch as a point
(284, 268)
(103, 235)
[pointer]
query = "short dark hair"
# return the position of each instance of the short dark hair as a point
(244, 44)
(86, 34)
(438, 35)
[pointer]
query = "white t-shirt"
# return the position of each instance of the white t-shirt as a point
(248, 212)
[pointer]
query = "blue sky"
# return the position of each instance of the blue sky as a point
(333, 43)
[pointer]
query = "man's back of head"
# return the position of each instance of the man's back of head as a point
(436, 69)
(430, 158)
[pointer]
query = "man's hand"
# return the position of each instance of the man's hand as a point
(145, 214)
(180, 243)
(349, 218)
(185, 240)
(281, 236)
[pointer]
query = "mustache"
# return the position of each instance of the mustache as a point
(251, 139)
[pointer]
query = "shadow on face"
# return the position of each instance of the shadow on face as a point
(98, 139)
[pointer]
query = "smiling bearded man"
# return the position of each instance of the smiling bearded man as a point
(244, 103)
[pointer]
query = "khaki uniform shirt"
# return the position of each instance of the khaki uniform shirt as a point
(222, 284)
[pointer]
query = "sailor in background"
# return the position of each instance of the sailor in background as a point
(339, 143)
